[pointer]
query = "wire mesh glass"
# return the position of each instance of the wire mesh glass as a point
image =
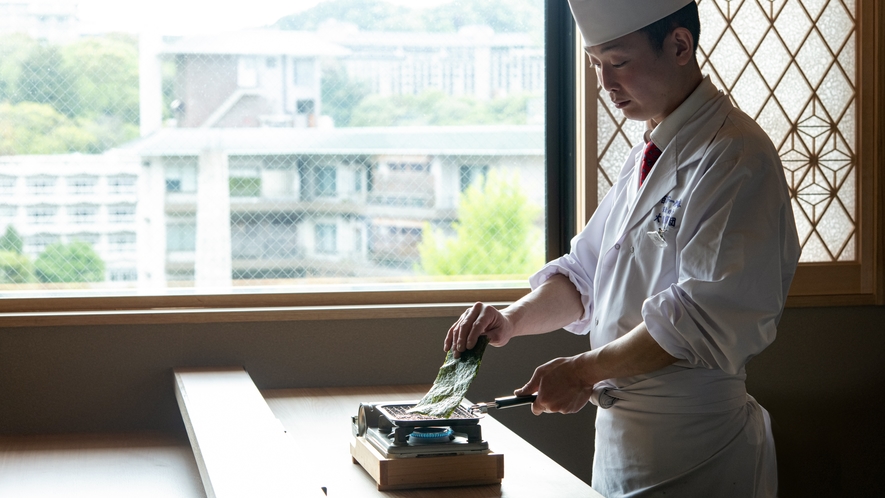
(344, 143)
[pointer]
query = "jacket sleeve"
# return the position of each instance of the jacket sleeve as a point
(737, 253)
(579, 265)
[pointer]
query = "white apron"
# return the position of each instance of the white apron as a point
(711, 297)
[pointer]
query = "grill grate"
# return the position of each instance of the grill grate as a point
(401, 412)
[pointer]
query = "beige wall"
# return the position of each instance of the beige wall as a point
(823, 381)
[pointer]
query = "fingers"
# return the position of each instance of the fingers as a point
(467, 329)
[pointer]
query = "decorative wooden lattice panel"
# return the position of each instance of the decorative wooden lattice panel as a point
(791, 65)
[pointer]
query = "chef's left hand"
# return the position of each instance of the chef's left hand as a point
(561, 385)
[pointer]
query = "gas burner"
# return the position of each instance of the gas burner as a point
(397, 433)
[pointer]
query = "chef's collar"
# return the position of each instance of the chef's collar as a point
(664, 132)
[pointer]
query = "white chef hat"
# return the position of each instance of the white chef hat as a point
(602, 21)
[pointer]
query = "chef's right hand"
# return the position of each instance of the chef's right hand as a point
(480, 319)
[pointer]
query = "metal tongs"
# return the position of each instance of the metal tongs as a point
(505, 402)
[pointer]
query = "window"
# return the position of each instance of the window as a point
(7, 185)
(326, 238)
(793, 67)
(180, 174)
(8, 213)
(122, 242)
(35, 244)
(245, 176)
(181, 236)
(41, 185)
(409, 127)
(80, 185)
(122, 274)
(121, 213)
(471, 175)
(42, 214)
(89, 238)
(123, 184)
(82, 213)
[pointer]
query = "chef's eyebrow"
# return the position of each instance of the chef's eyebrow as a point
(605, 48)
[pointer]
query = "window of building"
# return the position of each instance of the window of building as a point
(7, 184)
(181, 236)
(122, 242)
(41, 185)
(35, 244)
(42, 214)
(245, 176)
(180, 174)
(83, 213)
(122, 274)
(89, 238)
(123, 184)
(326, 238)
(80, 185)
(121, 213)
(469, 174)
(8, 213)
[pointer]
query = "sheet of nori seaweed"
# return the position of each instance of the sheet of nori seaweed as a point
(452, 381)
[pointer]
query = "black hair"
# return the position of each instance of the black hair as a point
(687, 17)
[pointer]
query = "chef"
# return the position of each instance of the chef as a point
(679, 278)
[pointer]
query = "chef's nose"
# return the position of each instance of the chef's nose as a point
(606, 77)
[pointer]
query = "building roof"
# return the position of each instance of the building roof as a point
(349, 35)
(430, 140)
(255, 42)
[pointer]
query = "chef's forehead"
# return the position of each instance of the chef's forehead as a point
(602, 21)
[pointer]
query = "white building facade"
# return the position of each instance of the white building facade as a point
(74, 197)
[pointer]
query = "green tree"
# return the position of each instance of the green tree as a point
(15, 268)
(504, 16)
(340, 94)
(14, 49)
(31, 128)
(11, 241)
(495, 233)
(103, 74)
(372, 15)
(44, 79)
(74, 262)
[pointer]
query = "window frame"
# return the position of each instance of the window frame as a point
(815, 284)
(571, 199)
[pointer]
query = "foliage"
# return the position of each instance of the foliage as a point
(11, 241)
(15, 268)
(79, 97)
(31, 128)
(340, 94)
(504, 16)
(438, 109)
(494, 235)
(74, 262)
(103, 74)
(372, 15)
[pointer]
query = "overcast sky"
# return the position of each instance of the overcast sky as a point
(174, 17)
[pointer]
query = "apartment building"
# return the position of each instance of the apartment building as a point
(281, 203)
(74, 197)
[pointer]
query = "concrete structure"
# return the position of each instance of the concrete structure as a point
(250, 78)
(476, 61)
(63, 198)
(283, 203)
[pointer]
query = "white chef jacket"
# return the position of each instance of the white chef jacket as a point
(712, 298)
